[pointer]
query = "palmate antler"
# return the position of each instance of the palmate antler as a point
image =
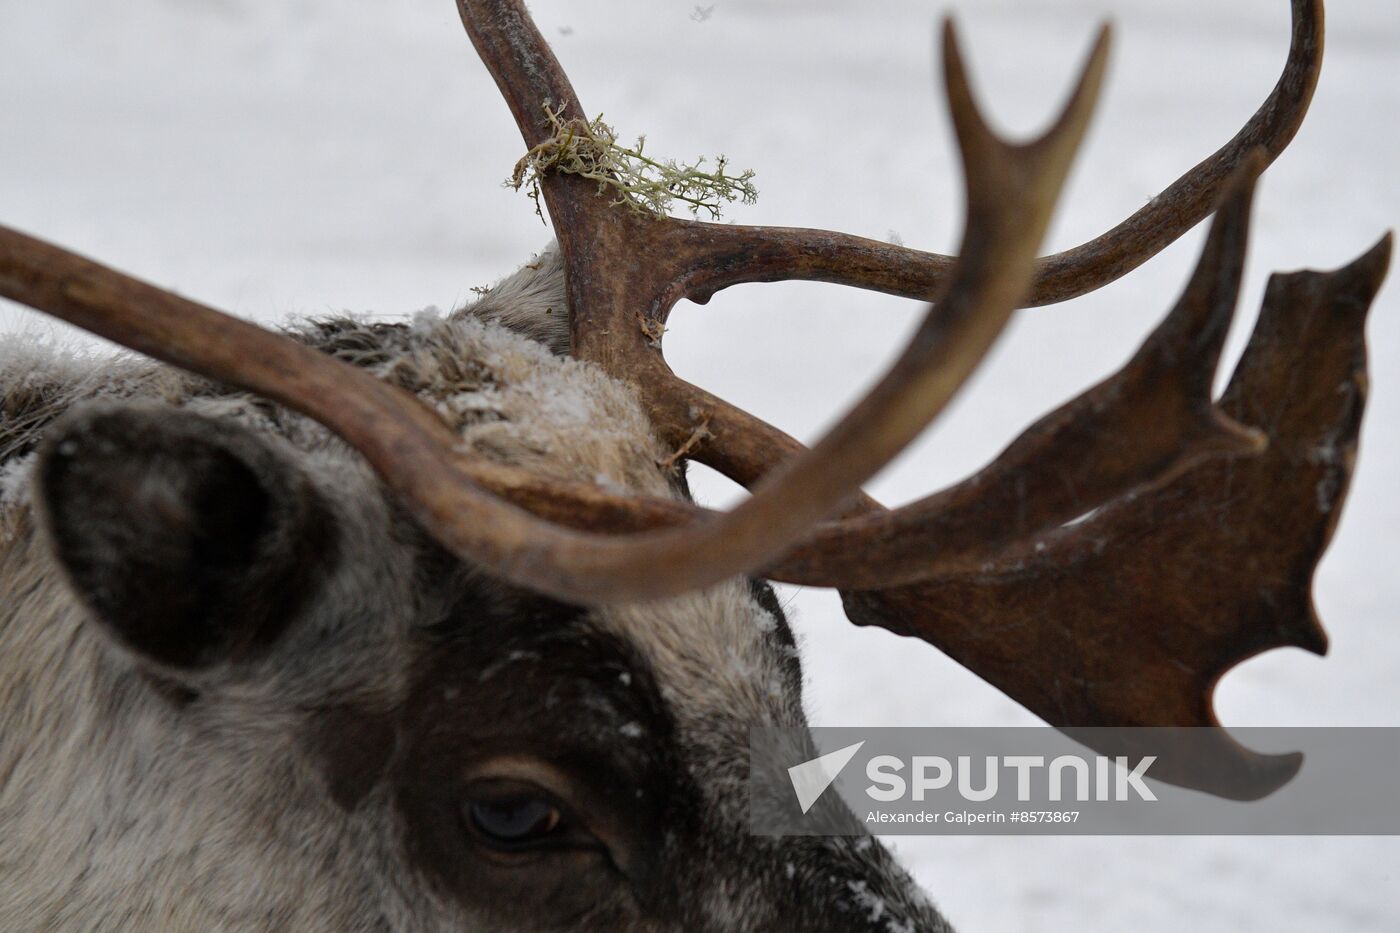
(1128, 617)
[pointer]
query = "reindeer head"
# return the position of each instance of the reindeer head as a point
(415, 627)
(471, 752)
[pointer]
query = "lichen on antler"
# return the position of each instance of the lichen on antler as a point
(589, 149)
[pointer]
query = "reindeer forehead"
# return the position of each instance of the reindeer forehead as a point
(506, 396)
(509, 673)
(721, 649)
(520, 666)
(511, 399)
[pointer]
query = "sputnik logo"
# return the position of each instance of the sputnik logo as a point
(811, 778)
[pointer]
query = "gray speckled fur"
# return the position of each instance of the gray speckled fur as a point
(122, 810)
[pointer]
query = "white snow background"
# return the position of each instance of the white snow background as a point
(281, 157)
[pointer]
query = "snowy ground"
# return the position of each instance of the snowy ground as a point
(275, 157)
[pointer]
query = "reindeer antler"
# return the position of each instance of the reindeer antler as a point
(1199, 549)
(687, 259)
(1011, 193)
(1130, 617)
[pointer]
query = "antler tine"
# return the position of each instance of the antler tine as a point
(735, 254)
(1188, 200)
(606, 291)
(521, 62)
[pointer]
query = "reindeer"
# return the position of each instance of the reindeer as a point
(365, 626)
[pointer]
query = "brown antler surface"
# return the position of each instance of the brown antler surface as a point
(1131, 616)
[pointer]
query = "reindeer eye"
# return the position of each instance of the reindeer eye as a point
(512, 817)
(514, 822)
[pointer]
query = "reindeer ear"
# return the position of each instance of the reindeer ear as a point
(192, 540)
